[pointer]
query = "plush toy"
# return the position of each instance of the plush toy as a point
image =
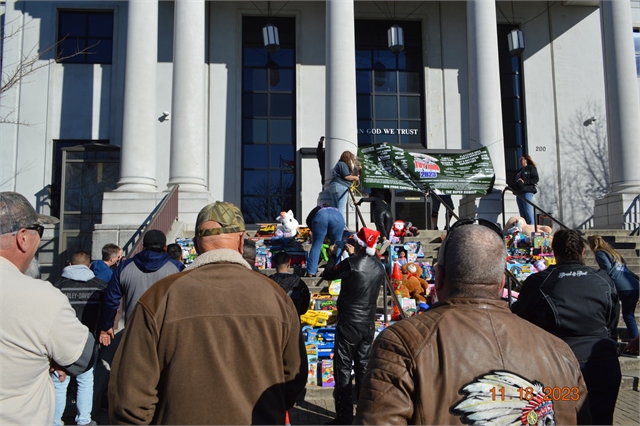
(519, 222)
(417, 287)
(288, 226)
(400, 228)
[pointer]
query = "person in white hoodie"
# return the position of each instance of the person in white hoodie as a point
(85, 293)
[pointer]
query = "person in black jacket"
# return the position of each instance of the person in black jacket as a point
(525, 186)
(381, 212)
(362, 276)
(580, 306)
(85, 293)
(291, 283)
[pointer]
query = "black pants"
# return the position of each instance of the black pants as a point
(353, 345)
(383, 220)
(602, 378)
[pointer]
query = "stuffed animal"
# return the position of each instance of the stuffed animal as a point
(411, 279)
(519, 222)
(400, 228)
(288, 226)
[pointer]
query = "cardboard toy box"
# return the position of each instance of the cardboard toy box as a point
(312, 360)
(327, 373)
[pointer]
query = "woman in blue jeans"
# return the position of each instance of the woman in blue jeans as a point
(627, 285)
(525, 186)
(344, 173)
(324, 221)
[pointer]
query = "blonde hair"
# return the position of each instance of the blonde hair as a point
(596, 242)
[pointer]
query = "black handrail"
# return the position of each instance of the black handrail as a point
(535, 207)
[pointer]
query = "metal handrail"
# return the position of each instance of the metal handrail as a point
(535, 208)
(162, 218)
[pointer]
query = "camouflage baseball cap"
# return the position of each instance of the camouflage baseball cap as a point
(16, 212)
(226, 214)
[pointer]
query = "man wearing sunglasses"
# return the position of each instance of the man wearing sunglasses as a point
(38, 326)
(468, 359)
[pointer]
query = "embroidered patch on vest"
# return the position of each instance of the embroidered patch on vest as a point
(503, 397)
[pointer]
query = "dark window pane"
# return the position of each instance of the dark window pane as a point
(283, 57)
(281, 105)
(409, 107)
(255, 182)
(409, 82)
(255, 131)
(254, 104)
(71, 221)
(72, 24)
(255, 79)
(255, 57)
(100, 52)
(284, 82)
(255, 209)
(389, 131)
(365, 107)
(363, 59)
(412, 134)
(283, 157)
(365, 136)
(282, 183)
(69, 49)
(386, 107)
(413, 59)
(281, 131)
(384, 81)
(363, 81)
(100, 25)
(255, 156)
(385, 56)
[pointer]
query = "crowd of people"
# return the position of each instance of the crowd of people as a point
(219, 343)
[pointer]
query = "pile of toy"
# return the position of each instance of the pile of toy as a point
(188, 250)
(528, 251)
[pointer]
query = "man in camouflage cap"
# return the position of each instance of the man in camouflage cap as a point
(215, 344)
(39, 326)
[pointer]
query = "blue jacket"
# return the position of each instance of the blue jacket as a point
(101, 270)
(131, 279)
(619, 273)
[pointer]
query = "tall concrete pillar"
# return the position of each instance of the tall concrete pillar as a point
(188, 160)
(341, 126)
(138, 154)
(485, 106)
(620, 208)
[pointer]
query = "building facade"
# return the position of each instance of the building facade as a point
(164, 93)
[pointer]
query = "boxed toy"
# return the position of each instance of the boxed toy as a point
(520, 270)
(312, 360)
(325, 304)
(327, 373)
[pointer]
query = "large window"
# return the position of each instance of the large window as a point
(85, 37)
(636, 45)
(512, 91)
(389, 86)
(268, 121)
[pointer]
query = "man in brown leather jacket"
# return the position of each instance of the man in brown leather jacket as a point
(468, 359)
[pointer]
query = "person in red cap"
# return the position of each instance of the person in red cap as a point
(362, 276)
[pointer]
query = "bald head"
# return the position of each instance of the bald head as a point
(231, 240)
(80, 258)
(471, 263)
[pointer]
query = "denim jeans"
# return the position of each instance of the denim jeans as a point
(328, 221)
(339, 197)
(525, 209)
(84, 398)
(629, 299)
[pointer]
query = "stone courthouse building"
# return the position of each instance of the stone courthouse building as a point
(126, 99)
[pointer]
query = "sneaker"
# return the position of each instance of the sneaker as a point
(385, 246)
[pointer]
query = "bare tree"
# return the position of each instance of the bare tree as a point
(28, 62)
(585, 164)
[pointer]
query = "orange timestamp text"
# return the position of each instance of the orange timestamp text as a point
(551, 393)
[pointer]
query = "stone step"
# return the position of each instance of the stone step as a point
(607, 232)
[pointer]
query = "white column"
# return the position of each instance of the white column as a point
(623, 111)
(341, 116)
(188, 160)
(485, 108)
(138, 155)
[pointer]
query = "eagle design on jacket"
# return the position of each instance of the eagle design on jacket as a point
(486, 403)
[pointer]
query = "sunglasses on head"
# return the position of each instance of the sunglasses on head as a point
(469, 221)
(36, 227)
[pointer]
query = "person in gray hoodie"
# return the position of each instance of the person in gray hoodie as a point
(85, 293)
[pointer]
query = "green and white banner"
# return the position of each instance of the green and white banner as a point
(388, 166)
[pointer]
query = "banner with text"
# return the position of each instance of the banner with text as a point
(388, 166)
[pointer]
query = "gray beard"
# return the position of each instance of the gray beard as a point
(33, 270)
